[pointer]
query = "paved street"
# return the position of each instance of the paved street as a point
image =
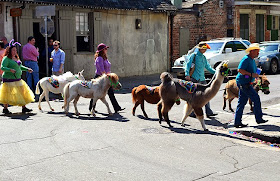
(51, 146)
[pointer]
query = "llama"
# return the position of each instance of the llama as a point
(146, 93)
(94, 89)
(55, 84)
(196, 97)
(232, 91)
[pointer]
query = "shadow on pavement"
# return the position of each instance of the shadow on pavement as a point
(20, 116)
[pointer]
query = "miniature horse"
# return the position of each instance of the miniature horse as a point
(94, 89)
(146, 93)
(232, 91)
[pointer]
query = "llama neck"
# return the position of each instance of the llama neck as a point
(214, 87)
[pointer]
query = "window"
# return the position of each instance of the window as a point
(230, 45)
(273, 22)
(82, 32)
(244, 26)
(239, 46)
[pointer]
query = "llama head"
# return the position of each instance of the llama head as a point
(165, 77)
(223, 68)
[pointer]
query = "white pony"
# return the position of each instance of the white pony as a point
(48, 87)
(94, 89)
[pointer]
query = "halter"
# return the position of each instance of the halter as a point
(112, 84)
(76, 77)
(225, 73)
(260, 85)
(188, 85)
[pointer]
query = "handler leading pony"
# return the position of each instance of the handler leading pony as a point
(94, 89)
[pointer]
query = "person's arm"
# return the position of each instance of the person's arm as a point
(4, 65)
(62, 60)
(208, 67)
(244, 72)
(188, 66)
(35, 51)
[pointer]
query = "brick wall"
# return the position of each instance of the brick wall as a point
(212, 23)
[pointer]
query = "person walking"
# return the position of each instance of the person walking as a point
(30, 55)
(246, 76)
(14, 91)
(103, 66)
(58, 59)
(198, 76)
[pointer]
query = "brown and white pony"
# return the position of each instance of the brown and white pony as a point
(232, 91)
(146, 93)
(94, 89)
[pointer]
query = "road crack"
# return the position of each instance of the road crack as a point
(55, 156)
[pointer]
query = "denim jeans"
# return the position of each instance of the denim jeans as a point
(246, 91)
(32, 76)
(208, 110)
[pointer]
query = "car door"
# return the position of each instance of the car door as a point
(232, 57)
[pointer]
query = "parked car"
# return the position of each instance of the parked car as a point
(269, 57)
(232, 49)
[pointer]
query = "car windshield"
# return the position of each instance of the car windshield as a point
(268, 48)
(215, 48)
(246, 42)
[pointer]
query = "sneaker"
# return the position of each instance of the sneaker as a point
(6, 111)
(211, 115)
(25, 110)
(262, 121)
(240, 125)
(121, 109)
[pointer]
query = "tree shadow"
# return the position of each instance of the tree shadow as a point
(19, 115)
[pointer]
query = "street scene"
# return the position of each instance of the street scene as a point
(139, 90)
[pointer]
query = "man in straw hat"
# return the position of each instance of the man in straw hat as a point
(246, 75)
(198, 76)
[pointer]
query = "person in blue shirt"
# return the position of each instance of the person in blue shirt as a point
(246, 76)
(43, 55)
(58, 57)
(198, 75)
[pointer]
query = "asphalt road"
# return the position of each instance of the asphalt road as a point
(51, 146)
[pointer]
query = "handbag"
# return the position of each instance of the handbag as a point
(192, 66)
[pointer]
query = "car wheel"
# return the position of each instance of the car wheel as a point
(273, 66)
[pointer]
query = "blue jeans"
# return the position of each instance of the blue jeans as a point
(32, 76)
(208, 110)
(246, 91)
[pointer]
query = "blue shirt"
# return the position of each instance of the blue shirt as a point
(200, 63)
(248, 64)
(58, 58)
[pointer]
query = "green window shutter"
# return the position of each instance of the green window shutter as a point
(274, 35)
(269, 22)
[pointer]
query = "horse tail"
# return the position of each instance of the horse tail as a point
(133, 93)
(66, 94)
(37, 91)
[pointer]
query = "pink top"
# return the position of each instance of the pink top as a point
(29, 52)
(1, 57)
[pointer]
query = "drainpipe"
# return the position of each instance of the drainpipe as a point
(171, 17)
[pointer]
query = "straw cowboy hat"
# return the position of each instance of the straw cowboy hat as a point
(203, 45)
(253, 46)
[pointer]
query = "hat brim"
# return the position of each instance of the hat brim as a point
(102, 49)
(251, 48)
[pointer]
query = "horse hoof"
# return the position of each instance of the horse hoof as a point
(170, 126)
(78, 114)
(110, 114)
(183, 125)
(206, 130)
(52, 109)
(40, 108)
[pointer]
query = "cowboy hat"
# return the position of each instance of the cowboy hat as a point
(253, 46)
(203, 45)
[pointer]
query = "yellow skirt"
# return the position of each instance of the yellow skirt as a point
(16, 93)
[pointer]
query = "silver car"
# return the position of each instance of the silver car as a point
(230, 49)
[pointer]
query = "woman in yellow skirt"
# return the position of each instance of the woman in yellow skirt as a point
(14, 91)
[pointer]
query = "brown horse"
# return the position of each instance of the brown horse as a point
(146, 93)
(231, 90)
